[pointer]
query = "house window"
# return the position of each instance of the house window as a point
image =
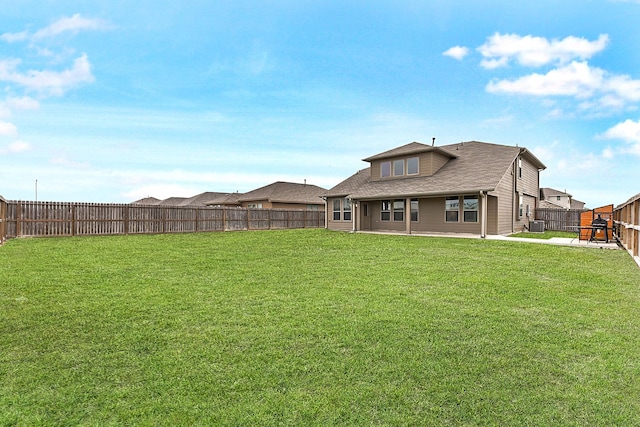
(336, 209)
(452, 208)
(312, 207)
(414, 210)
(520, 205)
(385, 169)
(347, 209)
(412, 166)
(398, 210)
(385, 210)
(519, 168)
(398, 167)
(254, 205)
(470, 208)
(558, 198)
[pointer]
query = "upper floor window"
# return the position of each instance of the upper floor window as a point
(385, 169)
(519, 167)
(398, 167)
(412, 166)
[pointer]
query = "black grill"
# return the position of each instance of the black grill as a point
(599, 224)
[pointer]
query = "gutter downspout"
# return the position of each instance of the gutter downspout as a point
(514, 172)
(326, 213)
(354, 215)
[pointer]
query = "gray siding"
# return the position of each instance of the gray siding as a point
(505, 209)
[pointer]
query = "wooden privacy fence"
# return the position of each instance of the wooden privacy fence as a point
(560, 219)
(24, 218)
(627, 222)
(3, 220)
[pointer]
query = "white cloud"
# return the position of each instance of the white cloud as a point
(533, 51)
(48, 82)
(8, 129)
(15, 147)
(627, 131)
(23, 103)
(457, 52)
(73, 24)
(15, 37)
(576, 79)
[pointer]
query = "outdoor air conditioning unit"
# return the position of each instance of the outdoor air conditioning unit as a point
(536, 226)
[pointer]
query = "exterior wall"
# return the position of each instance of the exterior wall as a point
(431, 218)
(505, 195)
(376, 224)
(508, 220)
(429, 164)
(342, 224)
(436, 161)
(269, 205)
(492, 215)
(529, 182)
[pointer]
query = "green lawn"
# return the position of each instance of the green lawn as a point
(311, 327)
(547, 234)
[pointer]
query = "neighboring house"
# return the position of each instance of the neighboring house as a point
(556, 199)
(146, 201)
(284, 195)
(469, 187)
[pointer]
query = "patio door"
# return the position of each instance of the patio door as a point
(366, 217)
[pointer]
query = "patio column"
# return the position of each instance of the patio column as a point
(483, 214)
(407, 215)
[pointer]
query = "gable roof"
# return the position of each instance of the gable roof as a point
(350, 185)
(285, 192)
(411, 148)
(145, 201)
(473, 167)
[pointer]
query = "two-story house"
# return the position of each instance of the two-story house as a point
(469, 187)
(556, 199)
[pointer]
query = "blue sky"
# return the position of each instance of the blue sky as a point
(113, 101)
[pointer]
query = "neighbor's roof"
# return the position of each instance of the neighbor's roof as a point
(224, 199)
(286, 192)
(146, 201)
(172, 201)
(474, 167)
(550, 192)
(201, 199)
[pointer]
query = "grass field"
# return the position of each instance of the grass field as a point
(310, 327)
(548, 234)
